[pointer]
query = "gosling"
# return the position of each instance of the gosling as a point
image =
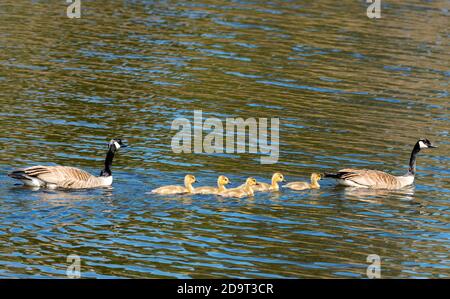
(264, 187)
(241, 192)
(174, 189)
(221, 182)
(315, 177)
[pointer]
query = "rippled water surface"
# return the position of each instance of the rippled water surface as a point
(349, 91)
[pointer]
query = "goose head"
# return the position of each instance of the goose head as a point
(223, 180)
(425, 143)
(189, 179)
(278, 177)
(315, 177)
(115, 144)
(251, 182)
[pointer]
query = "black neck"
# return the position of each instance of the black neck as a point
(412, 160)
(108, 162)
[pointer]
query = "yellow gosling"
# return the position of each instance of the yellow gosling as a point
(221, 182)
(241, 192)
(175, 189)
(264, 187)
(315, 177)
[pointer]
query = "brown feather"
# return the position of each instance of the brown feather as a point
(64, 176)
(370, 178)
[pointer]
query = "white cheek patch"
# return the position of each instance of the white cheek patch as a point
(117, 145)
(422, 145)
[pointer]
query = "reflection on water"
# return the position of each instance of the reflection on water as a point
(349, 92)
(377, 195)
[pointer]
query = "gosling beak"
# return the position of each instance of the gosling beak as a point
(284, 181)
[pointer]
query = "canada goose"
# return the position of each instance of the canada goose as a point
(221, 182)
(366, 178)
(240, 192)
(68, 177)
(315, 177)
(174, 189)
(264, 187)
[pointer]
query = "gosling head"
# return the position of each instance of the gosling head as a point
(315, 177)
(425, 143)
(278, 177)
(189, 179)
(223, 180)
(115, 144)
(251, 182)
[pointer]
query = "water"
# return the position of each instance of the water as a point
(349, 92)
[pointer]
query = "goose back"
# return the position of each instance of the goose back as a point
(64, 177)
(372, 179)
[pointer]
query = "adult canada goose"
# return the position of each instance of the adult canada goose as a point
(315, 177)
(366, 178)
(175, 189)
(68, 177)
(221, 182)
(264, 187)
(240, 192)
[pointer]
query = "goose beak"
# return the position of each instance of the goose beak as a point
(432, 146)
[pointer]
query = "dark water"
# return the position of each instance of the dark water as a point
(349, 92)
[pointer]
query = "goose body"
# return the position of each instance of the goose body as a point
(60, 177)
(366, 178)
(176, 189)
(241, 192)
(221, 182)
(68, 177)
(315, 177)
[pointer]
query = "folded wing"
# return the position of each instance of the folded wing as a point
(369, 178)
